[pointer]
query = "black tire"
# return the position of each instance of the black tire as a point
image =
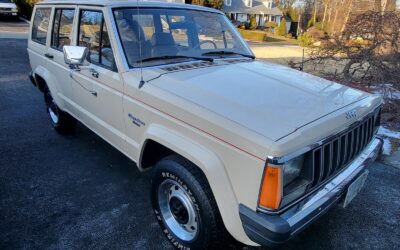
(62, 122)
(211, 232)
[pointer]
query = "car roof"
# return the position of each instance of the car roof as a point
(128, 3)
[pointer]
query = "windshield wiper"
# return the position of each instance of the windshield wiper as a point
(156, 58)
(223, 52)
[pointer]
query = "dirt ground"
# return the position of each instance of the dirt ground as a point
(281, 54)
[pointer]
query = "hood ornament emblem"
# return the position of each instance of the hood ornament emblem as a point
(351, 114)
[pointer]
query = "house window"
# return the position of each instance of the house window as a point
(228, 2)
(248, 3)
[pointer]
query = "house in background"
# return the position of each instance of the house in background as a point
(264, 10)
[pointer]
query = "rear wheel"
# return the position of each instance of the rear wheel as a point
(185, 207)
(62, 122)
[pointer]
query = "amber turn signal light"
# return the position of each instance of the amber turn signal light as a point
(271, 188)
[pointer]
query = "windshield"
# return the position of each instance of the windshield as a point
(5, 1)
(175, 35)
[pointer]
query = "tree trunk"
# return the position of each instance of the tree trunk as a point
(315, 12)
(383, 5)
(324, 18)
(347, 16)
(330, 12)
(335, 19)
(299, 25)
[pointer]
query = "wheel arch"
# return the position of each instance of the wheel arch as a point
(40, 82)
(44, 78)
(208, 162)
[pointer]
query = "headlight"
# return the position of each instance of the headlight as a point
(14, 9)
(292, 170)
(285, 183)
(296, 179)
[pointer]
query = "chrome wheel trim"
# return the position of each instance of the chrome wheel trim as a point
(173, 197)
(53, 115)
(52, 109)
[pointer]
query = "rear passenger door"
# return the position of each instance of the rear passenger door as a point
(38, 38)
(62, 34)
(98, 90)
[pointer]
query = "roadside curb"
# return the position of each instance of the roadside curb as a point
(25, 20)
(13, 35)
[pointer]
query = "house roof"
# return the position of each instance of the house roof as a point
(238, 6)
(262, 9)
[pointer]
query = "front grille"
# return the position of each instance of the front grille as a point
(5, 9)
(332, 156)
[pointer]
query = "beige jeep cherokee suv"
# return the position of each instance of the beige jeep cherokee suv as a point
(238, 147)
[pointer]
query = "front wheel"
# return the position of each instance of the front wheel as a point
(62, 122)
(185, 207)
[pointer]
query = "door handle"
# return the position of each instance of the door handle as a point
(95, 74)
(48, 55)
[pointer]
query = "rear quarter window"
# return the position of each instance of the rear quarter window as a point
(40, 25)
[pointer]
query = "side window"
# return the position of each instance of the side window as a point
(62, 28)
(93, 34)
(40, 25)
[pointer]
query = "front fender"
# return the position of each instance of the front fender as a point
(212, 167)
(50, 82)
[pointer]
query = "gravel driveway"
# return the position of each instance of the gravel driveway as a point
(79, 192)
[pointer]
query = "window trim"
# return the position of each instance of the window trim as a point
(58, 29)
(103, 22)
(48, 26)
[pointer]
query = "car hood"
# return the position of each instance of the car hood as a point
(8, 5)
(268, 99)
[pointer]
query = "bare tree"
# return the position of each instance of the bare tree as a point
(366, 53)
(284, 4)
(346, 19)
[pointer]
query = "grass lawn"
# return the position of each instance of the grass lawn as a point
(275, 39)
(262, 36)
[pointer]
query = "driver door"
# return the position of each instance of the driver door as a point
(98, 88)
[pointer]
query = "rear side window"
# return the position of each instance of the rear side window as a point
(93, 35)
(62, 28)
(40, 25)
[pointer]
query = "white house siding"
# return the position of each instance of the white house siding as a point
(264, 10)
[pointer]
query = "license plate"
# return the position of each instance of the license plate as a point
(355, 188)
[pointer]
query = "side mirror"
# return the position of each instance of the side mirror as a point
(75, 55)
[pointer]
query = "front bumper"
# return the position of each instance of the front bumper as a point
(8, 13)
(272, 230)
